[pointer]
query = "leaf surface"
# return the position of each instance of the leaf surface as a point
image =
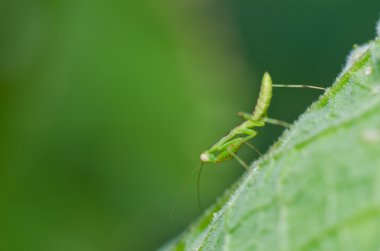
(318, 187)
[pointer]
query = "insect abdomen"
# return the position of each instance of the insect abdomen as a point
(264, 99)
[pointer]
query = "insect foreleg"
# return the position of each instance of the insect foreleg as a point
(224, 151)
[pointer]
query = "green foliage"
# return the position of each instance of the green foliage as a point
(318, 187)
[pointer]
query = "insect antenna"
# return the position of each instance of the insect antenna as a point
(180, 192)
(198, 187)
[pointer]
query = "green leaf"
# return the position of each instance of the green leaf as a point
(318, 187)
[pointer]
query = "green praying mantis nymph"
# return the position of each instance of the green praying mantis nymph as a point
(227, 146)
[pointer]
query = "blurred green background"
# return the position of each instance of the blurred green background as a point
(106, 105)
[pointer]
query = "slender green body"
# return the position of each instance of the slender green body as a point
(265, 97)
(227, 146)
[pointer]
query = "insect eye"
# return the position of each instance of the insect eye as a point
(205, 157)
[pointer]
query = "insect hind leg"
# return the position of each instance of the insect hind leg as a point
(300, 86)
(254, 148)
(277, 122)
(240, 160)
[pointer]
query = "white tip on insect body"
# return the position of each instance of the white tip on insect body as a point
(205, 157)
(378, 28)
(266, 77)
